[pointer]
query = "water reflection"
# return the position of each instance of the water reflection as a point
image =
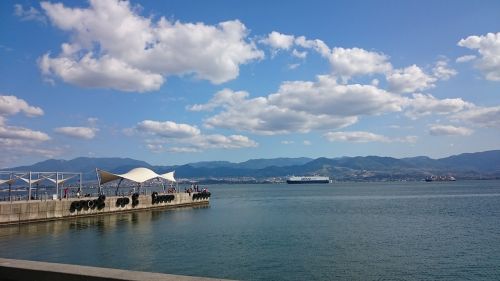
(102, 224)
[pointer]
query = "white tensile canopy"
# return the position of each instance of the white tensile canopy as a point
(138, 175)
(9, 181)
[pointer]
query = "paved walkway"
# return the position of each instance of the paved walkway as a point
(21, 270)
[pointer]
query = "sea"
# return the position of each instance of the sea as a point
(338, 231)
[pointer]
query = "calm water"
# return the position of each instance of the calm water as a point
(344, 231)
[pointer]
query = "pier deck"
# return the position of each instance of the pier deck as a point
(23, 270)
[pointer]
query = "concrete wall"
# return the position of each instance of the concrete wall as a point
(21, 270)
(34, 210)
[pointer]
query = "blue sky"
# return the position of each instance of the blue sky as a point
(172, 82)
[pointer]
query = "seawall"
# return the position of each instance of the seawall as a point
(16, 212)
(22, 270)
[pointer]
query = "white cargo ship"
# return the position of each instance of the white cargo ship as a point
(312, 179)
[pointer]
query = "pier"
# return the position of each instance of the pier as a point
(47, 210)
(61, 206)
(23, 270)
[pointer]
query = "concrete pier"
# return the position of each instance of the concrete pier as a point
(16, 212)
(22, 270)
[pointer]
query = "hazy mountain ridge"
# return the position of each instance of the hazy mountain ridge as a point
(467, 165)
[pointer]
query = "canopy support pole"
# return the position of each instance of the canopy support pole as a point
(29, 190)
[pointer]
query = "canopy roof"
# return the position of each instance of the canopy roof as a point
(9, 181)
(35, 181)
(138, 175)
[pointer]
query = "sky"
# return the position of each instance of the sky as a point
(173, 82)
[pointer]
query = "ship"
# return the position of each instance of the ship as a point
(311, 179)
(440, 178)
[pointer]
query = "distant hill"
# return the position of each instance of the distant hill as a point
(86, 165)
(467, 165)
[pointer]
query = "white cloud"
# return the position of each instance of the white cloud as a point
(11, 136)
(304, 106)
(156, 148)
(78, 132)
(307, 142)
(326, 96)
(17, 143)
(286, 142)
(442, 71)
(409, 79)
(10, 105)
(465, 58)
(104, 72)
(355, 136)
(174, 137)
(278, 40)
(168, 129)
(220, 141)
(300, 106)
(28, 14)
(448, 130)
(19, 150)
(422, 105)
(317, 45)
(293, 65)
(364, 137)
(112, 46)
(356, 61)
(299, 54)
(176, 149)
(19, 133)
(488, 47)
(481, 116)
(225, 97)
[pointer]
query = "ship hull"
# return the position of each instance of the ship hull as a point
(307, 181)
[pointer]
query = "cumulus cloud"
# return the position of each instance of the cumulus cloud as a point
(10, 105)
(18, 142)
(480, 116)
(316, 45)
(355, 136)
(174, 137)
(28, 14)
(488, 47)
(14, 138)
(87, 133)
(356, 61)
(15, 150)
(442, 71)
(465, 58)
(168, 129)
(448, 130)
(299, 54)
(348, 62)
(409, 79)
(422, 105)
(225, 97)
(364, 137)
(112, 46)
(303, 106)
(13, 132)
(300, 106)
(278, 40)
(104, 72)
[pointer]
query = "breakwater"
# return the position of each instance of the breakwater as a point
(27, 211)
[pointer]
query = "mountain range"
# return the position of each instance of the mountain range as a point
(479, 165)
